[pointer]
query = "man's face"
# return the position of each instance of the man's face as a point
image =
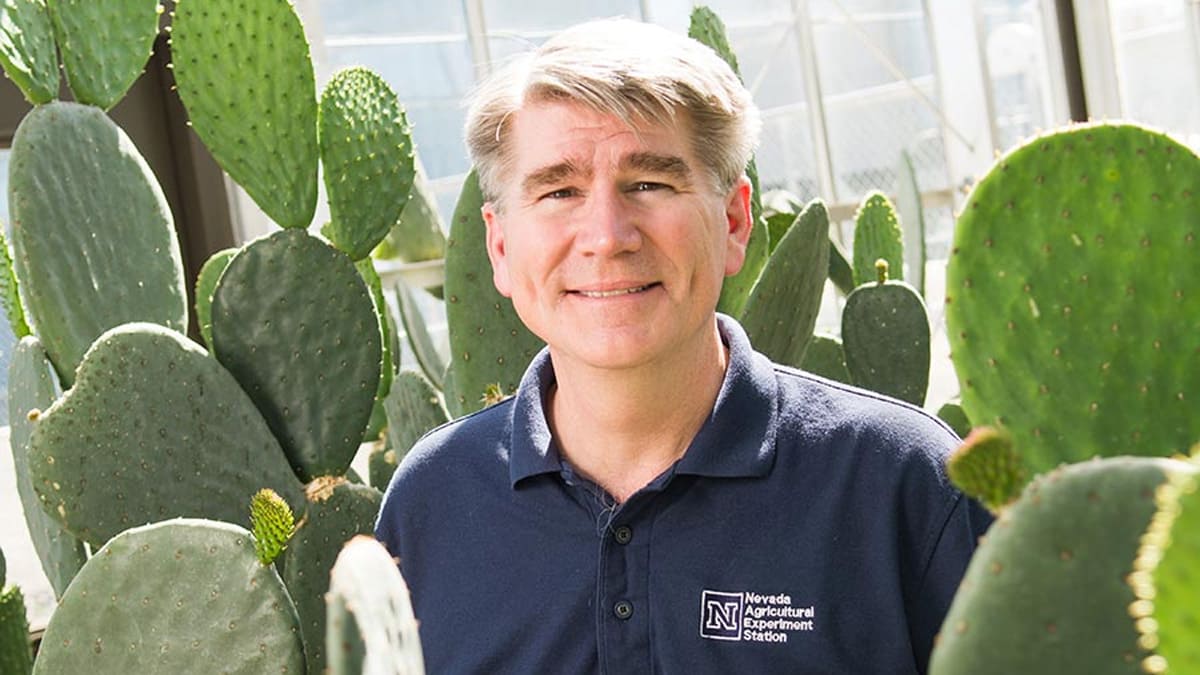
(612, 243)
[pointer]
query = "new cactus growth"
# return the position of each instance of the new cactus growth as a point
(987, 468)
(247, 82)
(371, 629)
(105, 45)
(885, 334)
(272, 523)
(877, 235)
(1072, 311)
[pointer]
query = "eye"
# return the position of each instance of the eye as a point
(560, 193)
(647, 186)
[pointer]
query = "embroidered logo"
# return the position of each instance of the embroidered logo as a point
(752, 617)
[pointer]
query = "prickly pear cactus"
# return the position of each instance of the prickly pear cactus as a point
(10, 297)
(877, 235)
(293, 322)
(418, 234)
(154, 428)
(782, 309)
(987, 468)
(488, 342)
(105, 45)
(825, 357)
(885, 333)
(182, 596)
(1072, 305)
(953, 415)
(244, 75)
(371, 627)
(428, 359)
(911, 214)
(93, 237)
(16, 657)
(337, 511)
(30, 391)
(1045, 592)
(413, 408)
(272, 523)
(27, 49)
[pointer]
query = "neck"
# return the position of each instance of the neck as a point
(622, 428)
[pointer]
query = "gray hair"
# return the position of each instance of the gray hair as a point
(637, 72)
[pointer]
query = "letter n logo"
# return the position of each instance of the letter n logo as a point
(720, 615)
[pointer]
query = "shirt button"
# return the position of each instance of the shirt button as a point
(623, 609)
(623, 534)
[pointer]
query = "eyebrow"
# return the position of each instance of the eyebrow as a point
(669, 165)
(550, 175)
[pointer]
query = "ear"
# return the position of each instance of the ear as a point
(497, 253)
(739, 223)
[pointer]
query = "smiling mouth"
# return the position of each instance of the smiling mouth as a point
(616, 292)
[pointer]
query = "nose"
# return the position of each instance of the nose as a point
(609, 226)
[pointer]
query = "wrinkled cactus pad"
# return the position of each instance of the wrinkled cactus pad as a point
(183, 596)
(1073, 295)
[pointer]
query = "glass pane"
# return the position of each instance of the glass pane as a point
(1017, 62)
(541, 15)
(388, 17)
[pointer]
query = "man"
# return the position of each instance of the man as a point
(657, 497)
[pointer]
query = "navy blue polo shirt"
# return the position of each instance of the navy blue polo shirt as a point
(808, 528)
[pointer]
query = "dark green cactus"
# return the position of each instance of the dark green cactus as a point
(1045, 593)
(154, 428)
(104, 45)
(825, 357)
(27, 49)
(94, 240)
(30, 391)
(841, 273)
(1072, 309)
(206, 283)
(371, 625)
(244, 75)
(294, 323)
(381, 464)
(911, 214)
(10, 297)
(272, 523)
(182, 596)
(782, 309)
(337, 511)
(987, 468)
(953, 415)
(16, 655)
(877, 235)
(367, 157)
(418, 235)
(885, 334)
(488, 342)
(413, 408)
(428, 358)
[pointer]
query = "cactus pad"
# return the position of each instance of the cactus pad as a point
(1073, 305)
(885, 333)
(367, 155)
(16, 657)
(371, 624)
(293, 322)
(244, 74)
(30, 391)
(206, 284)
(952, 414)
(987, 468)
(782, 309)
(419, 340)
(336, 512)
(488, 342)
(272, 523)
(1046, 592)
(877, 235)
(418, 234)
(183, 596)
(825, 357)
(412, 409)
(94, 241)
(104, 45)
(10, 297)
(27, 49)
(154, 428)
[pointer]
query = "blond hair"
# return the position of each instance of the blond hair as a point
(637, 72)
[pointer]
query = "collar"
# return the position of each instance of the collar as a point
(737, 440)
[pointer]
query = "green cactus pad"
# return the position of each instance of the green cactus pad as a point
(413, 408)
(1073, 295)
(104, 45)
(877, 235)
(367, 155)
(911, 214)
(294, 323)
(244, 75)
(10, 297)
(1046, 592)
(782, 309)
(381, 464)
(27, 49)
(840, 271)
(387, 370)
(371, 624)
(182, 597)
(30, 391)
(418, 235)
(488, 342)
(272, 523)
(94, 241)
(953, 415)
(708, 29)
(885, 333)
(1164, 580)
(428, 358)
(16, 655)
(337, 511)
(154, 428)
(206, 284)
(825, 357)
(987, 468)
